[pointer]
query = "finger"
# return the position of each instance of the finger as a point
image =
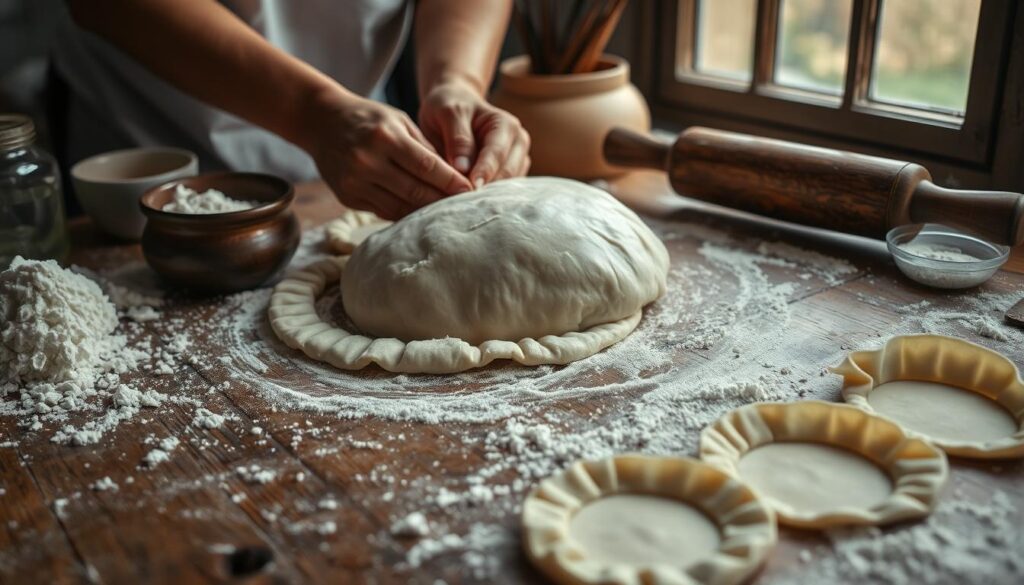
(406, 187)
(421, 162)
(418, 135)
(457, 134)
(497, 144)
(514, 162)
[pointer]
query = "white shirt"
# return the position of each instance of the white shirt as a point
(117, 102)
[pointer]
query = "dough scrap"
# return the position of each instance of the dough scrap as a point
(965, 398)
(349, 230)
(515, 259)
(641, 519)
(788, 442)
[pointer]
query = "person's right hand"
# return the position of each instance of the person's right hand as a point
(374, 157)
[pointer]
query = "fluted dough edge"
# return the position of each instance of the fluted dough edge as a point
(916, 468)
(746, 524)
(944, 360)
(294, 320)
(339, 233)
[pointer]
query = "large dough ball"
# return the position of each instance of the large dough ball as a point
(518, 258)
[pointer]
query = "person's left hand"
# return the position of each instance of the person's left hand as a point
(481, 141)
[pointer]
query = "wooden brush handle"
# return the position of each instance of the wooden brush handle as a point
(831, 189)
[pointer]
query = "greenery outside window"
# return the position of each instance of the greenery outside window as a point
(924, 80)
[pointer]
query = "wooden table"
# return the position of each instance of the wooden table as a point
(193, 520)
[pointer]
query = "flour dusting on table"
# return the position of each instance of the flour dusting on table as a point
(720, 338)
(732, 308)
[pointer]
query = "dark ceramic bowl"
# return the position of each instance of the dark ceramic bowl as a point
(221, 252)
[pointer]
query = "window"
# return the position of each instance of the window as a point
(911, 79)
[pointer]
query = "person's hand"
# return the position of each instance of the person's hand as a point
(375, 158)
(481, 141)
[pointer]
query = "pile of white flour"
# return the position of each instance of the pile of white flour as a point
(61, 353)
(55, 323)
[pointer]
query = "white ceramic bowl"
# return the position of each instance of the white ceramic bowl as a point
(109, 185)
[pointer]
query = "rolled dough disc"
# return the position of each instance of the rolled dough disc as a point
(820, 464)
(643, 530)
(814, 477)
(942, 412)
(538, 271)
(636, 519)
(967, 399)
(349, 230)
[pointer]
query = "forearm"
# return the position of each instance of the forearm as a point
(206, 51)
(458, 40)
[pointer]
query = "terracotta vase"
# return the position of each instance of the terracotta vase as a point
(568, 116)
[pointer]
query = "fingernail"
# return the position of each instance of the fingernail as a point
(478, 182)
(462, 163)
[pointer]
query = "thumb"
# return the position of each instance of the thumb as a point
(459, 145)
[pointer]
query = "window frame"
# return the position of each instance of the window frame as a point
(852, 118)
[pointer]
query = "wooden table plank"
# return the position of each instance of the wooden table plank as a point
(32, 540)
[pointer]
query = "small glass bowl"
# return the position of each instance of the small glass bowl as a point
(939, 272)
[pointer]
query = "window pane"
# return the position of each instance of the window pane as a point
(725, 38)
(924, 51)
(812, 44)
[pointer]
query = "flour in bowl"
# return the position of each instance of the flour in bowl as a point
(210, 201)
(937, 252)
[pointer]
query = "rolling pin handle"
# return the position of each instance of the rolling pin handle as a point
(997, 216)
(630, 149)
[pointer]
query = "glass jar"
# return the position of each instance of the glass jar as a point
(32, 222)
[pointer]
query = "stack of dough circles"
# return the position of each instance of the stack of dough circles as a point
(639, 519)
(349, 230)
(965, 398)
(820, 464)
(535, 270)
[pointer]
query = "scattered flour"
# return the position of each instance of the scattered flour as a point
(162, 453)
(207, 420)
(413, 525)
(156, 457)
(211, 201)
(721, 339)
(104, 484)
(961, 542)
(480, 537)
(255, 474)
(142, 313)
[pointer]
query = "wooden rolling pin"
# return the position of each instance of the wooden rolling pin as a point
(820, 187)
